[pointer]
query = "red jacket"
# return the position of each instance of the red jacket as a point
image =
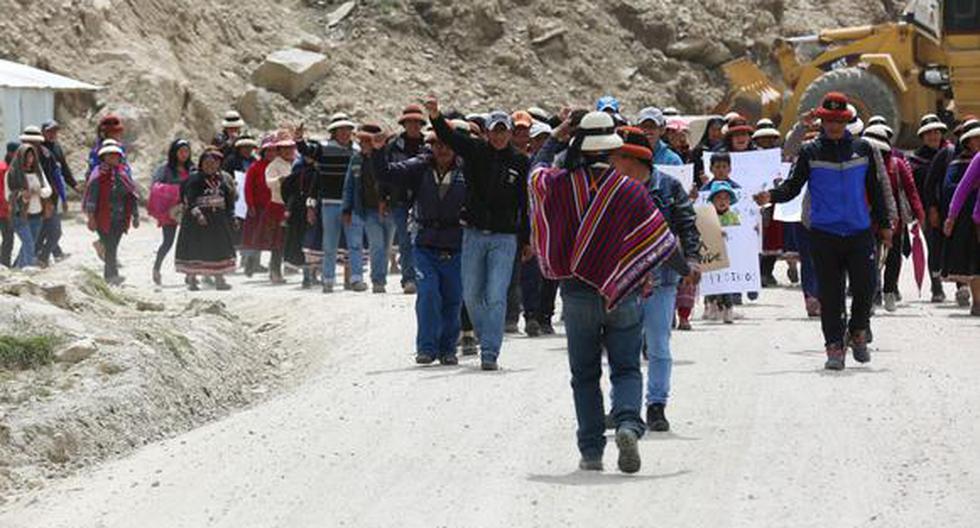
(903, 182)
(4, 206)
(258, 196)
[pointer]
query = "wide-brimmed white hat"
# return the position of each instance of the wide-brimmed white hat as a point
(340, 120)
(930, 122)
(765, 128)
(878, 136)
(971, 129)
(599, 133)
(110, 149)
(877, 120)
(232, 119)
(31, 134)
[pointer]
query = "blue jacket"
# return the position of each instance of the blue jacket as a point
(845, 196)
(675, 204)
(663, 155)
(435, 217)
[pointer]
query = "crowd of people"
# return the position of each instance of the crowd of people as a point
(493, 215)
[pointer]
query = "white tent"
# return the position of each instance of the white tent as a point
(27, 96)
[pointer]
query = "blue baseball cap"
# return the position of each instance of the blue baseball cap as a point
(607, 103)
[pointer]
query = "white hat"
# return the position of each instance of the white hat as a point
(232, 120)
(878, 136)
(109, 142)
(599, 133)
(765, 128)
(732, 115)
(340, 120)
(855, 126)
(971, 129)
(31, 134)
(670, 111)
(877, 120)
(539, 128)
(110, 149)
(930, 122)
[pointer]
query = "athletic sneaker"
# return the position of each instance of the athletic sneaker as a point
(423, 359)
(793, 274)
(409, 288)
(629, 451)
(963, 296)
(489, 365)
(449, 360)
(590, 464)
(532, 328)
(859, 346)
(891, 302)
(835, 357)
(359, 287)
(378, 288)
(938, 295)
(656, 419)
(468, 345)
(327, 288)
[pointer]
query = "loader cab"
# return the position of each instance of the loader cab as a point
(937, 18)
(961, 16)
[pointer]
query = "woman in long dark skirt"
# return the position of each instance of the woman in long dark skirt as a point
(304, 235)
(205, 245)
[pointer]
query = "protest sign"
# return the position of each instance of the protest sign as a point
(712, 254)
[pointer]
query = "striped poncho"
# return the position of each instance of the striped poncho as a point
(609, 235)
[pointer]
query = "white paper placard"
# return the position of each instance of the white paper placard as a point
(681, 173)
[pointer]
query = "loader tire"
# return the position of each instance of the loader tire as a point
(870, 94)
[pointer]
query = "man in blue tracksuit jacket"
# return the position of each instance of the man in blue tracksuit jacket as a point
(846, 204)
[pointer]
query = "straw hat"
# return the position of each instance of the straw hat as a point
(232, 119)
(340, 120)
(31, 134)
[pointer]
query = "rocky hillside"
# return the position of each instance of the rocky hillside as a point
(173, 66)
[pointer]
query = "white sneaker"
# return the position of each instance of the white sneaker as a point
(891, 301)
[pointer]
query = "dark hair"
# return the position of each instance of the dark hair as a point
(721, 157)
(172, 155)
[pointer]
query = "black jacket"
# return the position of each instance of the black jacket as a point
(59, 157)
(496, 183)
(932, 187)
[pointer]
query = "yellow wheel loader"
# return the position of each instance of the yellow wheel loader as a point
(927, 62)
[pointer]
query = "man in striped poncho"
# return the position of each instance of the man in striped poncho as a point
(601, 234)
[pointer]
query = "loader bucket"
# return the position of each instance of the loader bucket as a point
(752, 93)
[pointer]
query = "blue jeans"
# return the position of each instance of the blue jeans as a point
(47, 243)
(333, 225)
(531, 281)
(658, 316)
(27, 231)
(487, 262)
(440, 296)
(590, 329)
(406, 256)
(379, 232)
(808, 275)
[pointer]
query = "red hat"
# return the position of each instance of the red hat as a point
(412, 112)
(833, 107)
(110, 123)
(635, 144)
(738, 125)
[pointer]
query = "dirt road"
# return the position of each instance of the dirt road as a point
(762, 436)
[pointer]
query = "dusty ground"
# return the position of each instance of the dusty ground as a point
(762, 435)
